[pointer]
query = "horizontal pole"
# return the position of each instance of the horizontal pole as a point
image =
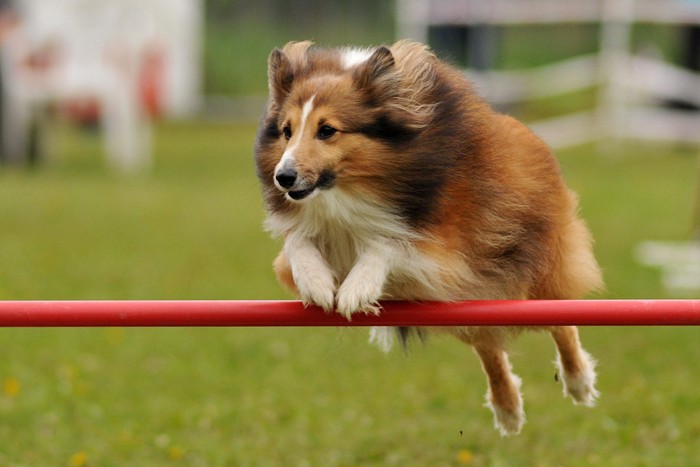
(152, 313)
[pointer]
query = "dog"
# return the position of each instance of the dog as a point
(388, 177)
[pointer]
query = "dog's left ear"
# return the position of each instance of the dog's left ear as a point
(279, 75)
(401, 81)
(376, 71)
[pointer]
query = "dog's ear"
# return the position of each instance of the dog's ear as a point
(283, 65)
(399, 80)
(279, 75)
(377, 70)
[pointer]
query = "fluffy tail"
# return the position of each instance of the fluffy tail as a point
(384, 336)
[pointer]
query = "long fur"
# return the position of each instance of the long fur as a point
(389, 178)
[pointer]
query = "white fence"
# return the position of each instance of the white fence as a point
(628, 84)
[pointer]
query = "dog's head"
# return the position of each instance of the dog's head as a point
(334, 115)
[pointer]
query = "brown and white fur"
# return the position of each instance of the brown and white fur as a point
(389, 178)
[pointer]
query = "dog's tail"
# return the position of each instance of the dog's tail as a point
(383, 336)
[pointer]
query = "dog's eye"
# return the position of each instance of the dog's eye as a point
(326, 132)
(287, 132)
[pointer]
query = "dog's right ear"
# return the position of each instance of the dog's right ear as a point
(283, 65)
(279, 75)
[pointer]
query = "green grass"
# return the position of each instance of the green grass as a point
(230, 397)
(184, 232)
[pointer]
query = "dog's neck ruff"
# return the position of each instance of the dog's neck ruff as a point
(333, 211)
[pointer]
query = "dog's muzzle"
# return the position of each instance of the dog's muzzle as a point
(297, 188)
(286, 178)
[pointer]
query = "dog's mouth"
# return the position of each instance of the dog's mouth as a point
(298, 195)
(325, 180)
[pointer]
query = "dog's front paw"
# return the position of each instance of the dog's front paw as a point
(317, 289)
(358, 296)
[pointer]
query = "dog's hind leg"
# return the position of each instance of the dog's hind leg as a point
(283, 271)
(576, 366)
(503, 396)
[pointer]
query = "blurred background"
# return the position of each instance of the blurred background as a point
(127, 173)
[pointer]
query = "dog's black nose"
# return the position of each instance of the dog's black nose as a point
(286, 177)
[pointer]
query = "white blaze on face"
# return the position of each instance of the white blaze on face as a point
(288, 155)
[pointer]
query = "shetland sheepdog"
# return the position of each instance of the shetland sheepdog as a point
(388, 177)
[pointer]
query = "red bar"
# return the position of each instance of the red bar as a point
(293, 313)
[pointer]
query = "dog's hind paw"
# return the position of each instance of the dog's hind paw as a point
(507, 421)
(581, 388)
(581, 385)
(508, 412)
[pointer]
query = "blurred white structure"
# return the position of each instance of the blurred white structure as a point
(679, 263)
(629, 84)
(129, 58)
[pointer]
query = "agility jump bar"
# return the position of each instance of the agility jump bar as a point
(210, 313)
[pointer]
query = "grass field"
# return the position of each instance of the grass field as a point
(321, 397)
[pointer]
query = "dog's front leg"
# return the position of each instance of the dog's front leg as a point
(362, 288)
(312, 276)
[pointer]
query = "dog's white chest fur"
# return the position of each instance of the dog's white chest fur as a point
(342, 227)
(347, 252)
